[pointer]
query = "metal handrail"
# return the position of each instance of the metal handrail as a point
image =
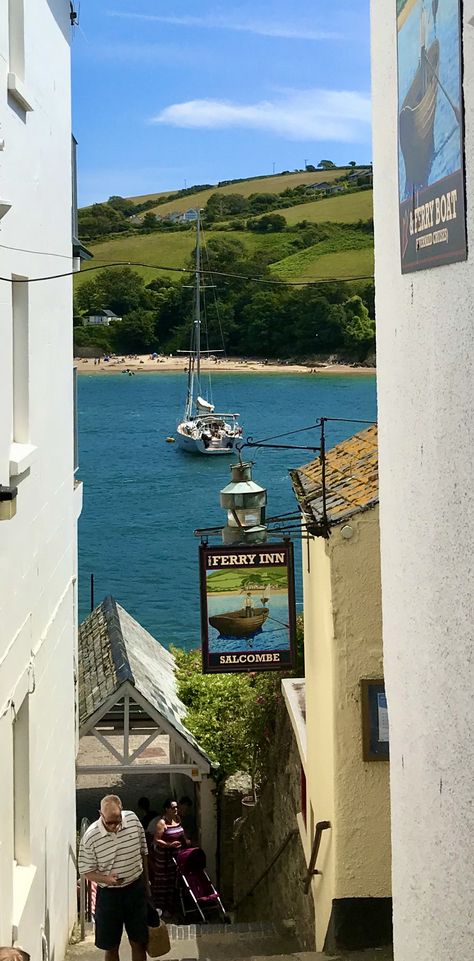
(312, 870)
(267, 870)
(83, 885)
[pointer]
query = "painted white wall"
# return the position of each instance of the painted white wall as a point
(38, 546)
(425, 349)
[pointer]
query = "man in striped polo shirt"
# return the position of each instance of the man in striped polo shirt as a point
(113, 852)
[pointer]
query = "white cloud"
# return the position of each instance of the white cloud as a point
(289, 31)
(309, 115)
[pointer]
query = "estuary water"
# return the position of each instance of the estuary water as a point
(143, 498)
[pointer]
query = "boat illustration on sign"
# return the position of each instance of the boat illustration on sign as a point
(242, 623)
(417, 117)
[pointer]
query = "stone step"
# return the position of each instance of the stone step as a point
(245, 929)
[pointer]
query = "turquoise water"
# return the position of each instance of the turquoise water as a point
(143, 498)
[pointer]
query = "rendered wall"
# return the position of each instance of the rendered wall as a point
(320, 735)
(425, 349)
(38, 546)
(342, 645)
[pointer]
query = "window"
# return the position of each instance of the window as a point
(21, 784)
(20, 339)
(16, 38)
(16, 53)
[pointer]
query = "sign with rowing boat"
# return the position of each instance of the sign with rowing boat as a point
(430, 134)
(247, 608)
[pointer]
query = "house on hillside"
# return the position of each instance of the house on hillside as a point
(360, 177)
(338, 712)
(189, 216)
(317, 188)
(40, 496)
(103, 318)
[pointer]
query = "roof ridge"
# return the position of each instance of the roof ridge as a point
(118, 648)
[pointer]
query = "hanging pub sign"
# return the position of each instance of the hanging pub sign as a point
(247, 608)
(430, 134)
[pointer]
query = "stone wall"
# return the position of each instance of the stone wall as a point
(230, 809)
(258, 838)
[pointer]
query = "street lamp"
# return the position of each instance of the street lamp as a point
(245, 503)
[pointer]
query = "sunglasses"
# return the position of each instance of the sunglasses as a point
(112, 822)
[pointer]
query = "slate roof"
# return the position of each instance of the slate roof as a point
(352, 482)
(115, 648)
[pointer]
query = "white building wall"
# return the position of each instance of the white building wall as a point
(425, 349)
(38, 546)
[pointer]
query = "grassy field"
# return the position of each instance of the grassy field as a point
(309, 265)
(219, 582)
(171, 249)
(271, 185)
(345, 209)
(174, 248)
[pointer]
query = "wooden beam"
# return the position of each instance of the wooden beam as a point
(103, 740)
(141, 769)
(143, 746)
(126, 727)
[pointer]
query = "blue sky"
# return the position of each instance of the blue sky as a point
(175, 94)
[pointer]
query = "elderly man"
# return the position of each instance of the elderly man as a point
(13, 954)
(113, 852)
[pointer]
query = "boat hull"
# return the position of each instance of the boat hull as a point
(238, 623)
(417, 117)
(192, 445)
(195, 441)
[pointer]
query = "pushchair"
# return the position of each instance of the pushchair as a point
(197, 893)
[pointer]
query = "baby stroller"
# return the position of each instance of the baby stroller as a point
(196, 890)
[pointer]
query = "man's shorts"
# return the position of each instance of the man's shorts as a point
(117, 907)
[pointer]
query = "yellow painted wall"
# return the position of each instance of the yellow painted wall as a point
(343, 643)
(320, 766)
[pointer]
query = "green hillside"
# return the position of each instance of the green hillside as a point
(173, 249)
(344, 209)
(309, 265)
(274, 184)
(256, 232)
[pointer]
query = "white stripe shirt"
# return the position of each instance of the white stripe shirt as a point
(119, 853)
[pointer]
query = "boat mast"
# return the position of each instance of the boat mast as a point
(197, 316)
(194, 369)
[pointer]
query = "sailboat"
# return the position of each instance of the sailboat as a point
(203, 430)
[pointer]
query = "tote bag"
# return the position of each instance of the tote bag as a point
(158, 941)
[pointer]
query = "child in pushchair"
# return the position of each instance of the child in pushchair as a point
(197, 893)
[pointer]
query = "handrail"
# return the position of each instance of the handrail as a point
(83, 886)
(312, 870)
(267, 870)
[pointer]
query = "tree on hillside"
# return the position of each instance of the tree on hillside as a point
(124, 206)
(359, 328)
(352, 163)
(326, 165)
(136, 334)
(120, 289)
(259, 203)
(269, 223)
(149, 221)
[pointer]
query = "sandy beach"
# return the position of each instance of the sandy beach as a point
(145, 363)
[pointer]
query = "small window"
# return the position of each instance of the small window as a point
(21, 784)
(16, 38)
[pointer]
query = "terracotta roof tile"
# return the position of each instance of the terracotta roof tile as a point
(351, 480)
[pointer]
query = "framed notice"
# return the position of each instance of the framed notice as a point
(247, 608)
(430, 134)
(375, 729)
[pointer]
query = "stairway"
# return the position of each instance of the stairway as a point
(216, 942)
(253, 941)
